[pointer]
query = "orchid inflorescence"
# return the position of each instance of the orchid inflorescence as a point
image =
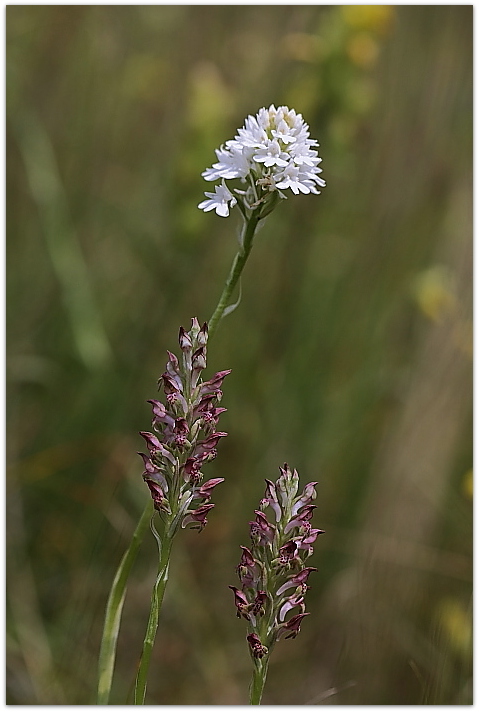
(272, 572)
(185, 435)
(271, 153)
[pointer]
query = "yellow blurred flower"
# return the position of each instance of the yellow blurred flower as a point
(456, 623)
(377, 18)
(434, 292)
(467, 484)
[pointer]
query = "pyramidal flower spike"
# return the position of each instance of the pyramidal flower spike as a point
(273, 574)
(271, 153)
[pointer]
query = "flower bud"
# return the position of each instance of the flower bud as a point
(185, 341)
(198, 360)
(202, 337)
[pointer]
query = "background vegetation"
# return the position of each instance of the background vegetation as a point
(351, 350)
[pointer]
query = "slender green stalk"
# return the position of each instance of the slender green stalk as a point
(258, 680)
(114, 609)
(246, 243)
(164, 548)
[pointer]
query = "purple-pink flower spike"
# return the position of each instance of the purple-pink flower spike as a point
(184, 436)
(272, 571)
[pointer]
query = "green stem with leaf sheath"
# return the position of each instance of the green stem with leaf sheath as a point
(164, 548)
(258, 680)
(246, 243)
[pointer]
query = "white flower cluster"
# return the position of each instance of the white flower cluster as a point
(272, 152)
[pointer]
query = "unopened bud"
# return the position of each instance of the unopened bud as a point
(198, 361)
(185, 341)
(202, 337)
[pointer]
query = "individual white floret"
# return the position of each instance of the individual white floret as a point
(221, 201)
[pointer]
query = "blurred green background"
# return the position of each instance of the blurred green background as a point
(350, 352)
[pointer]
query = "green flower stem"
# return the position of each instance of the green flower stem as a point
(246, 243)
(114, 609)
(164, 546)
(258, 680)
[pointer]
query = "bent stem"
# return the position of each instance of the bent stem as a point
(246, 243)
(164, 549)
(114, 609)
(258, 680)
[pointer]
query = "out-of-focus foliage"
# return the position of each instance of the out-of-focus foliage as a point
(351, 349)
